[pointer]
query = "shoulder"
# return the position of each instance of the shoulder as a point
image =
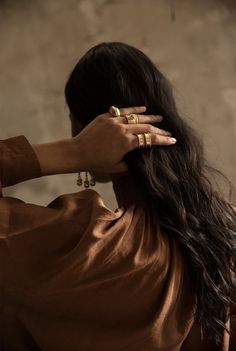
(86, 201)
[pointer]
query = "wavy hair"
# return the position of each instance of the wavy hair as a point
(177, 178)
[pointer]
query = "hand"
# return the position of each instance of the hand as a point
(102, 144)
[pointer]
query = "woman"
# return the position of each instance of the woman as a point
(157, 273)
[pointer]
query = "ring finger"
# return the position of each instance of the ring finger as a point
(156, 139)
(145, 128)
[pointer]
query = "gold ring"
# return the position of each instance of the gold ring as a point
(114, 111)
(148, 139)
(141, 140)
(132, 119)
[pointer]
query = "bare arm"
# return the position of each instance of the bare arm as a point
(101, 145)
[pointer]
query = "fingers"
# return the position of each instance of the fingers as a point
(158, 136)
(142, 119)
(129, 110)
(156, 139)
(134, 110)
(145, 128)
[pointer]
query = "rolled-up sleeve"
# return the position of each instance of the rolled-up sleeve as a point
(18, 161)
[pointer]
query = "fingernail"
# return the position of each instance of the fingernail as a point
(173, 140)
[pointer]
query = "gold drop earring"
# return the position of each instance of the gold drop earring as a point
(87, 183)
(92, 181)
(79, 180)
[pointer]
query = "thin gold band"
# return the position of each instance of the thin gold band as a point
(148, 139)
(141, 140)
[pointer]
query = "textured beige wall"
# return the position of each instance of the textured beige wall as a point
(42, 40)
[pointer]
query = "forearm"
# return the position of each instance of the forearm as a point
(20, 161)
(58, 157)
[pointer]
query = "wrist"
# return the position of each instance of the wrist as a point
(76, 154)
(63, 156)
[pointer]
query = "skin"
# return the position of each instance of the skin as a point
(104, 133)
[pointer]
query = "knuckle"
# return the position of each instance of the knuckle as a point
(100, 118)
(158, 139)
(165, 139)
(112, 121)
(120, 128)
(123, 128)
(124, 111)
(161, 132)
(115, 120)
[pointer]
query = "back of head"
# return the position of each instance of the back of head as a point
(175, 177)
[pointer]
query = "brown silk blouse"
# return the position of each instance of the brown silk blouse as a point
(77, 276)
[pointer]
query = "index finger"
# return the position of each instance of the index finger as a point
(134, 109)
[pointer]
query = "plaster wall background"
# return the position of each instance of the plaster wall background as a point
(192, 42)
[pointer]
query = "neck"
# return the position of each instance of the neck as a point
(126, 190)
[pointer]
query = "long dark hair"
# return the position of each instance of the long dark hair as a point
(177, 178)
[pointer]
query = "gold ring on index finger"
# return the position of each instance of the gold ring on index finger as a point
(114, 111)
(132, 118)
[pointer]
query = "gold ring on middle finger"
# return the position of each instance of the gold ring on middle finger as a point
(132, 119)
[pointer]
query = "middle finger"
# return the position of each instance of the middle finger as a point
(142, 119)
(145, 128)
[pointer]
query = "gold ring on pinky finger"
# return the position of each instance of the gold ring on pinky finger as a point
(141, 140)
(114, 111)
(132, 119)
(148, 139)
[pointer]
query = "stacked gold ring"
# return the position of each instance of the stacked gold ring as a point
(114, 111)
(141, 140)
(148, 139)
(144, 140)
(132, 119)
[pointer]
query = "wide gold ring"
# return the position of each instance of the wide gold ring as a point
(148, 139)
(141, 140)
(132, 119)
(114, 111)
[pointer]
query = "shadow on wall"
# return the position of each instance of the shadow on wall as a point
(13, 3)
(229, 3)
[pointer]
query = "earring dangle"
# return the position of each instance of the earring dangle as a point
(87, 183)
(92, 181)
(79, 180)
